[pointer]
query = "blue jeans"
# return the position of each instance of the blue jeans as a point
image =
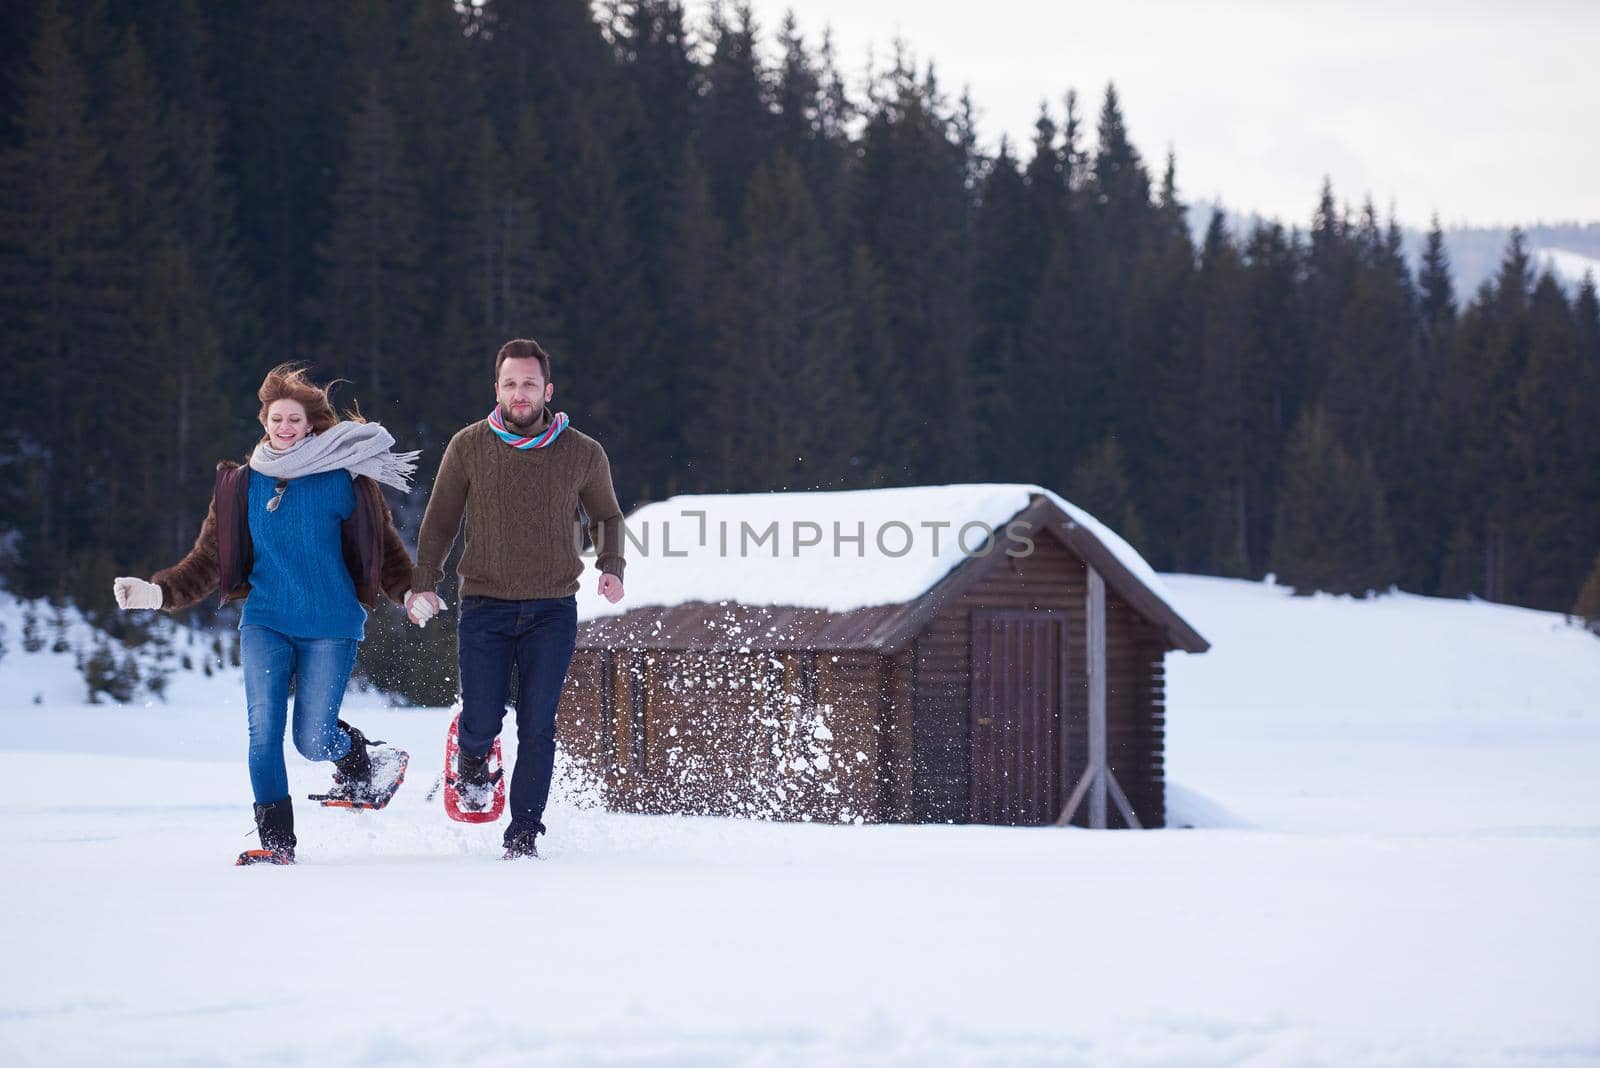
(538, 637)
(320, 668)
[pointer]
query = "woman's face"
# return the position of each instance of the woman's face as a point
(286, 423)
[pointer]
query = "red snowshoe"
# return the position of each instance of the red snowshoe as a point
(474, 792)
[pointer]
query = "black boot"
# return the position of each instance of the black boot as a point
(275, 826)
(474, 781)
(363, 779)
(352, 773)
(472, 770)
(519, 839)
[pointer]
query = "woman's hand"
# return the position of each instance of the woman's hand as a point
(610, 587)
(136, 593)
(421, 607)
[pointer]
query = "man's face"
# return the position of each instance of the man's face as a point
(522, 391)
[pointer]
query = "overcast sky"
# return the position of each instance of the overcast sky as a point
(1484, 113)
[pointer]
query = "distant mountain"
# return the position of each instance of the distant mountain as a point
(1568, 250)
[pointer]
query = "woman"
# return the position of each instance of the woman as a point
(302, 534)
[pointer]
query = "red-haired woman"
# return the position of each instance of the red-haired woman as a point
(302, 534)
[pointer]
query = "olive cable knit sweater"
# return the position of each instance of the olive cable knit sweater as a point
(523, 539)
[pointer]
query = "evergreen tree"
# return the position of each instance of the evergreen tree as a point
(661, 85)
(278, 89)
(1332, 531)
(1587, 312)
(1122, 222)
(1587, 606)
(1048, 205)
(1553, 438)
(448, 140)
(1100, 486)
(1586, 319)
(797, 97)
(738, 125)
(551, 54)
(1120, 184)
(1492, 345)
(1002, 302)
(1275, 318)
(1160, 310)
(22, 18)
(1371, 384)
(912, 213)
(1435, 442)
(1329, 274)
(1437, 301)
(601, 309)
(224, 350)
(1057, 356)
(828, 163)
(1211, 415)
(1061, 388)
(695, 261)
(173, 346)
(787, 387)
(499, 272)
(369, 305)
(883, 458)
(133, 130)
(519, 305)
(65, 280)
(656, 136)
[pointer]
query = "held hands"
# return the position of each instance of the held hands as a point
(421, 607)
(136, 593)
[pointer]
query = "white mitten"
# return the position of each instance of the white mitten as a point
(422, 609)
(136, 593)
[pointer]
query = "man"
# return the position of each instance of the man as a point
(520, 476)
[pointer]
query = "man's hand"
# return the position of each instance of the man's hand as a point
(136, 593)
(421, 607)
(610, 587)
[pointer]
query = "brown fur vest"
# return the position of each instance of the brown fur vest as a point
(222, 554)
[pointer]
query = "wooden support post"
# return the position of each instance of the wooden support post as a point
(1121, 799)
(1097, 698)
(1097, 779)
(1070, 809)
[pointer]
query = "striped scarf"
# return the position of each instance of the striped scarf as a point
(518, 441)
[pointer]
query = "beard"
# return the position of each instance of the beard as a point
(513, 423)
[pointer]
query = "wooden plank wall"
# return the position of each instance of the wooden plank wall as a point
(578, 731)
(730, 733)
(706, 748)
(1135, 718)
(896, 729)
(847, 697)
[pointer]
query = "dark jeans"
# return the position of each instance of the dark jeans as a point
(537, 636)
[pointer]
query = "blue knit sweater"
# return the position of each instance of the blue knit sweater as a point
(299, 584)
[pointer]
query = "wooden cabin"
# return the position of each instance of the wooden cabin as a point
(847, 670)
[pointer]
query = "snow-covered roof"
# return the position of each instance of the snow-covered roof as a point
(835, 551)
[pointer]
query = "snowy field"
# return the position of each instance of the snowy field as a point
(1394, 859)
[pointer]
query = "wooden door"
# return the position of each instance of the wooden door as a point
(1018, 715)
